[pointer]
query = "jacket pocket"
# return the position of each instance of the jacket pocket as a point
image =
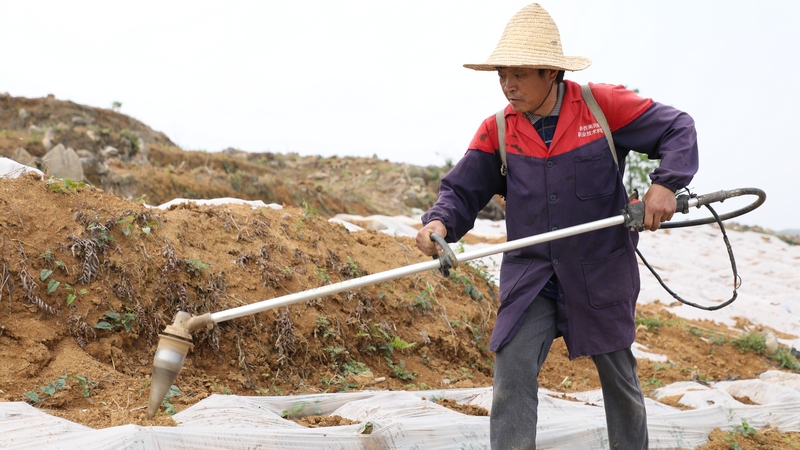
(609, 280)
(595, 175)
(511, 272)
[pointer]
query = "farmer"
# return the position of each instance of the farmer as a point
(560, 172)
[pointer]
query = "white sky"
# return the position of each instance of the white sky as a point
(370, 77)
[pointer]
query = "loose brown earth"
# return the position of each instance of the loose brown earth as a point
(71, 254)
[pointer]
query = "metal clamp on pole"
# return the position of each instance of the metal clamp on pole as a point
(633, 213)
(447, 259)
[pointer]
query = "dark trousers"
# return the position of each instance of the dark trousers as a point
(515, 398)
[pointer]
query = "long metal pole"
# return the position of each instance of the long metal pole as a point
(376, 278)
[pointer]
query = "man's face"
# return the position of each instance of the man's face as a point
(524, 88)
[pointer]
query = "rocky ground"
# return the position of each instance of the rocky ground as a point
(91, 275)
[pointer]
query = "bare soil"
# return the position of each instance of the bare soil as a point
(90, 276)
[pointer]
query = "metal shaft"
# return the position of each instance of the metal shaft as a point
(368, 280)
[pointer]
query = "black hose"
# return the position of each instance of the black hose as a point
(704, 200)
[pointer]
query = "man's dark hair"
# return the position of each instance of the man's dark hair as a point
(559, 76)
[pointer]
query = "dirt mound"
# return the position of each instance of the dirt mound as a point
(90, 276)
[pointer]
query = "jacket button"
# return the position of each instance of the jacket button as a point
(553, 229)
(555, 262)
(553, 197)
(549, 164)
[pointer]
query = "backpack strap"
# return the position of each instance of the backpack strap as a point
(595, 109)
(500, 118)
(600, 117)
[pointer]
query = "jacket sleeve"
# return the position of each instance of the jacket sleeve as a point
(464, 191)
(657, 130)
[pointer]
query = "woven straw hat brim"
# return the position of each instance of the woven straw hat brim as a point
(531, 40)
(571, 63)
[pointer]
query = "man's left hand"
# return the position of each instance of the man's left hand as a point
(659, 206)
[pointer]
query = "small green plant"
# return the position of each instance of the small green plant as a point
(322, 274)
(115, 320)
(169, 408)
(653, 382)
(48, 390)
(400, 370)
(308, 211)
(334, 352)
(85, 384)
(323, 325)
(126, 225)
(744, 430)
(196, 265)
(353, 268)
(101, 233)
(392, 343)
(53, 284)
(222, 389)
(353, 367)
(637, 170)
(751, 341)
(469, 286)
(650, 323)
(422, 302)
(131, 137)
(72, 293)
(62, 186)
(786, 360)
(47, 255)
(115, 106)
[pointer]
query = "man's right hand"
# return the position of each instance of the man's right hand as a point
(424, 242)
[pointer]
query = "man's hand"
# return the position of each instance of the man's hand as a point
(424, 242)
(659, 206)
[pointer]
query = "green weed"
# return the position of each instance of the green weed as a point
(63, 186)
(169, 408)
(323, 325)
(651, 323)
(72, 293)
(115, 320)
(786, 360)
(53, 284)
(400, 370)
(469, 286)
(421, 302)
(196, 265)
(50, 389)
(751, 341)
(322, 274)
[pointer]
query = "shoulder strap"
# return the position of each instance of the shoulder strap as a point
(500, 118)
(600, 117)
(597, 112)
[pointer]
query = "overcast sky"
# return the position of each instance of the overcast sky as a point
(371, 77)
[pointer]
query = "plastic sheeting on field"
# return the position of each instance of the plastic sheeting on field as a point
(12, 169)
(411, 420)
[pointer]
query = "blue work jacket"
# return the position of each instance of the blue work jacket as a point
(574, 181)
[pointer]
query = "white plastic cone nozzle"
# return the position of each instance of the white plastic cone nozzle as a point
(173, 346)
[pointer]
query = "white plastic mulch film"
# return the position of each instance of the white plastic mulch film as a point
(390, 420)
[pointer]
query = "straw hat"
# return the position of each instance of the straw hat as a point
(531, 39)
